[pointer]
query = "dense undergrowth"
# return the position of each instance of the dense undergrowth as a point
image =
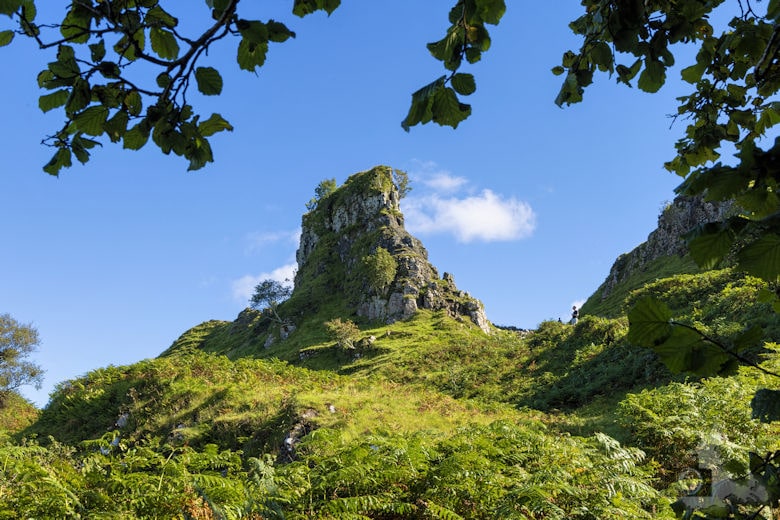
(426, 418)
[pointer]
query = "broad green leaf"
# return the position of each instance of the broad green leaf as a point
(9, 7)
(116, 126)
(79, 149)
(164, 43)
(91, 120)
(558, 70)
(278, 32)
(136, 137)
(199, 154)
(109, 69)
(253, 31)
(685, 350)
(693, 73)
(601, 56)
(422, 102)
(6, 37)
(159, 15)
(98, 51)
(749, 338)
(447, 110)
(53, 100)
(709, 244)
(303, 7)
(213, 124)
(766, 405)
(80, 97)
(163, 80)
(251, 55)
(773, 10)
(77, 24)
(61, 159)
(653, 77)
(464, 84)
(762, 258)
(649, 323)
(133, 103)
(491, 11)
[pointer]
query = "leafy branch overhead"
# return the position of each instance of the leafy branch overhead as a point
(100, 78)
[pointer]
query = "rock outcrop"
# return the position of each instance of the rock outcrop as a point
(678, 218)
(352, 223)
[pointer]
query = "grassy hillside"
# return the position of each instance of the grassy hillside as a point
(425, 418)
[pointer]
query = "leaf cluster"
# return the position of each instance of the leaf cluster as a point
(17, 342)
(466, 39)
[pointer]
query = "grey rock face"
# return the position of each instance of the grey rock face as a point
(356, 220)
(681, 216)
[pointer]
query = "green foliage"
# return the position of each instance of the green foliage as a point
(381, 268)
(466, 39)
(323, 189)
(123, 71)
(268, 295)
(344, 332)
(401, 181)
(17, 342)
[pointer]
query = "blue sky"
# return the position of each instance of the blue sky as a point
(526, 204)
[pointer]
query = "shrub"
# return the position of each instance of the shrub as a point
(345, 333)
(380, 269)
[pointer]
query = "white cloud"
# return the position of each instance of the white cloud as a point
(444, 181)
(258, 240)
(244, 287)
(487, 217)
(429, 174)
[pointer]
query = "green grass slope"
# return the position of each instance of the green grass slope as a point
(425, 418)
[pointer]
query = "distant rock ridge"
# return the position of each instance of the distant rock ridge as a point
(353, 222)
(681, 216)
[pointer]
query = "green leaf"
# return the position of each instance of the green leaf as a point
(749, 338)
(199, 154)
(278, 32)
(159, 15)
(133, 103)
(766, 405)
(558, 70)
(709, 244)
(251, 55)
(491, 11)
(6, 37)
(304, 7)
(77, 24)
(91, 120)
(649, 323)
(762, 258)
(773, 9)
(163, 80)
(213, 124)
(464, 83)
(164, 43)
(116, 126)
(136, 137)
(53, 100)
(693, 73)
(422, 101)
(80, 96)
(447, 110)
(601, 56)
(653, 77)
(9, 7)
(253, 31)
(61, 159)
(98, 51)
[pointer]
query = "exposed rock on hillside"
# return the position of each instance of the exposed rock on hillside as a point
(354, 222)
(681, 216)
